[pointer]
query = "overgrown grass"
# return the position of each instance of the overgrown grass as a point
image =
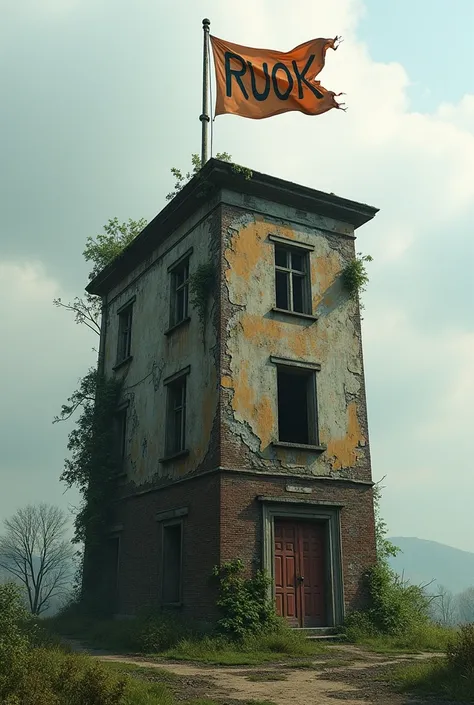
(155, 635)
(425, 636)
(252, 651)
(433, 678)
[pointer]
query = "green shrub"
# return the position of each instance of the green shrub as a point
(359, 626)
(52, 677)
(158, 632)
(243, 602)
(15, 626)
(460, 652)
(396, 607)
(396, 604)
(148, 632)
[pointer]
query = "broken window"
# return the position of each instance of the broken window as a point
(179, 292)
(292, 283)
(172, 564)
(297, 406)
(125, 333)
(176, 422)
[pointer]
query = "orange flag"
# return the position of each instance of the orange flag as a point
(259, 83)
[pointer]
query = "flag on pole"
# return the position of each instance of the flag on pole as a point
(259, 83)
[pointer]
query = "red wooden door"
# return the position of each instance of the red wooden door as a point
(300, 572)
(286, 552)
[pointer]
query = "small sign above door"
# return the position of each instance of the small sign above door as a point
(298, 488)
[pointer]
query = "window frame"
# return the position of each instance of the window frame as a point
(166, 525)
(180, 378)
(309, 370)
(303, 251)
(124, 350)
(174, 269)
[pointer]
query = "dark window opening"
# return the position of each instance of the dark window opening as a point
(282, 290)
(179, 293)
(125, 334)
(292, 285)
(176, 438)
(297, 416)
(171, 591)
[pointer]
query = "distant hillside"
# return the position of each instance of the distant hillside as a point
(422, 561)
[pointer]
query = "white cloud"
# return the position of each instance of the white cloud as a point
(43, 353)
(142, 119)
(417, 167)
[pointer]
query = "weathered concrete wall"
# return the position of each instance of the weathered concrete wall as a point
(156, 356)
(242, 332)
(254, 333)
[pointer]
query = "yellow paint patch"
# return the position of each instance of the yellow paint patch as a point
(249, 250)
(226, 381)
(342, 452)
(301, 342)
(324, 271)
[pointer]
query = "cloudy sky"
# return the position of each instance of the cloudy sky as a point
(101, 97)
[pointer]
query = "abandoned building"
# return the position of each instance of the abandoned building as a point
(243, 425)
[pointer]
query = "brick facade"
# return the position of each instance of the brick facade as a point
(228, 489)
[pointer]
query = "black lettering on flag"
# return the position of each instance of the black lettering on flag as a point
(237, 73)
(301, 78)
(281, 67)
(266, 90)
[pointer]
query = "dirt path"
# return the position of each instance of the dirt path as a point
(346, 674)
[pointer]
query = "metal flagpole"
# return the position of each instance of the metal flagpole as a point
(204, 117)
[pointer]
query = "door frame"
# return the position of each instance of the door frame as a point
(304, 510)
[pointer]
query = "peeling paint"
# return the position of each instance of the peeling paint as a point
(247, 386)
(342, 452)
(157, 356)
(255, 333)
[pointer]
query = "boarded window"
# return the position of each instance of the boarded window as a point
(179, 292)
(171, 569)
(124, 344)
(292, 285)
(297, 406)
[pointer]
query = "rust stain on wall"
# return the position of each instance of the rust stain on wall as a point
(343, 451)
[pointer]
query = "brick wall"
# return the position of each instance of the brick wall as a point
(242, 531)
(140, 545)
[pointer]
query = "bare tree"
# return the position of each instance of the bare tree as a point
(465, 601)
(34, 550)
(444, 607)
